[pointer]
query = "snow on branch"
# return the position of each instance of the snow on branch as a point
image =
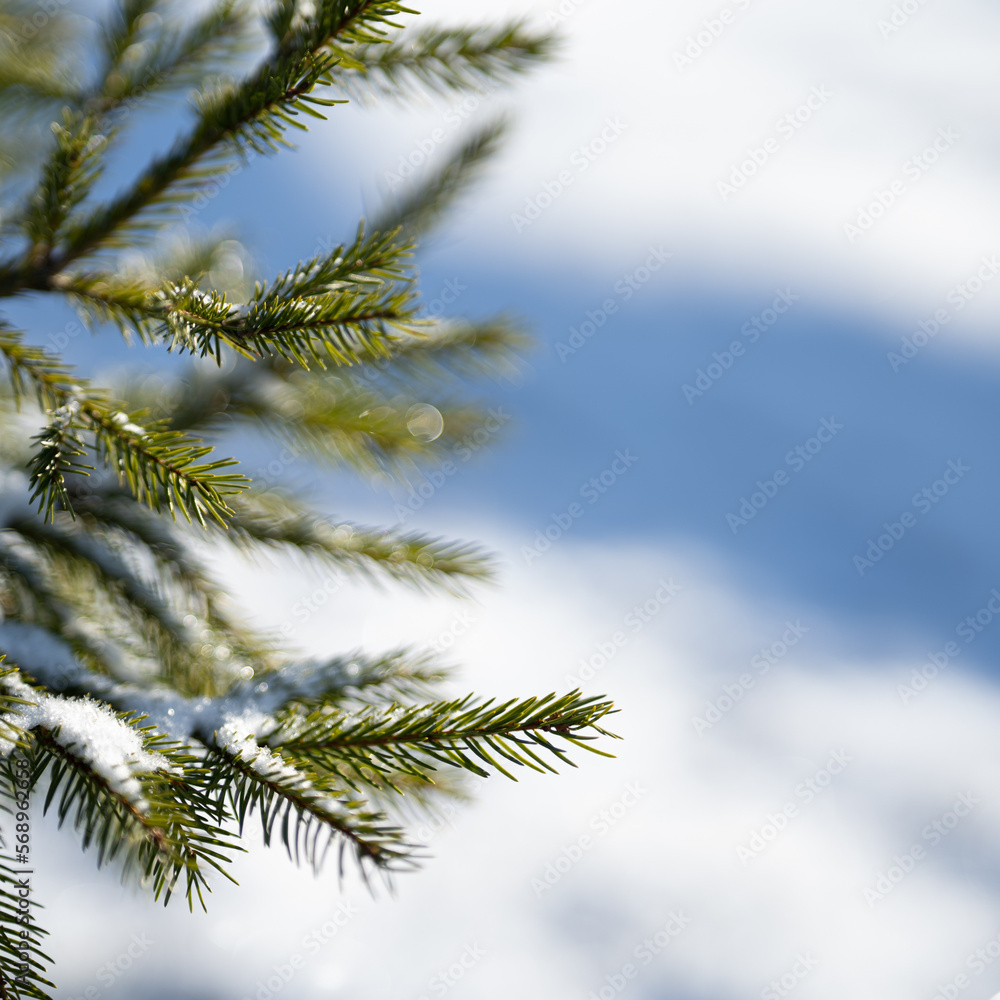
(89, 730)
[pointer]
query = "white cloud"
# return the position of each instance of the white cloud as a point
(687, 130)
(668, 845)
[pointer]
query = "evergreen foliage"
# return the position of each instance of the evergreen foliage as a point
(148, 715)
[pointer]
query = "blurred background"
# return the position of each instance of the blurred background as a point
(759, 244)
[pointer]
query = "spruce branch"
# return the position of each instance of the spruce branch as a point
(159, 844)
(58, 447)
(147, 613)
(104, 816)
(122, 299)
(176, 720)
(112, 516)
(35, 596)
(461, 349)
(310, 809)
(113, 520)
(36, 69)
(245, 119)
(362, 416)
(342, 425)
(465, 733)
(361, 683)
(67, 177)
(146, 52)
(339, 419)
(372, 258)
(242, 120)
(338, 327)
(334, 25)
(344, 307)
(34, 370)
(162, 467)
(12, 734)
(279, 22)
(123, 28)
(443, 59)
(137, 810)
(401, 675)
(274, 521)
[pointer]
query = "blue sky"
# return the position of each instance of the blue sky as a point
(828, 112)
